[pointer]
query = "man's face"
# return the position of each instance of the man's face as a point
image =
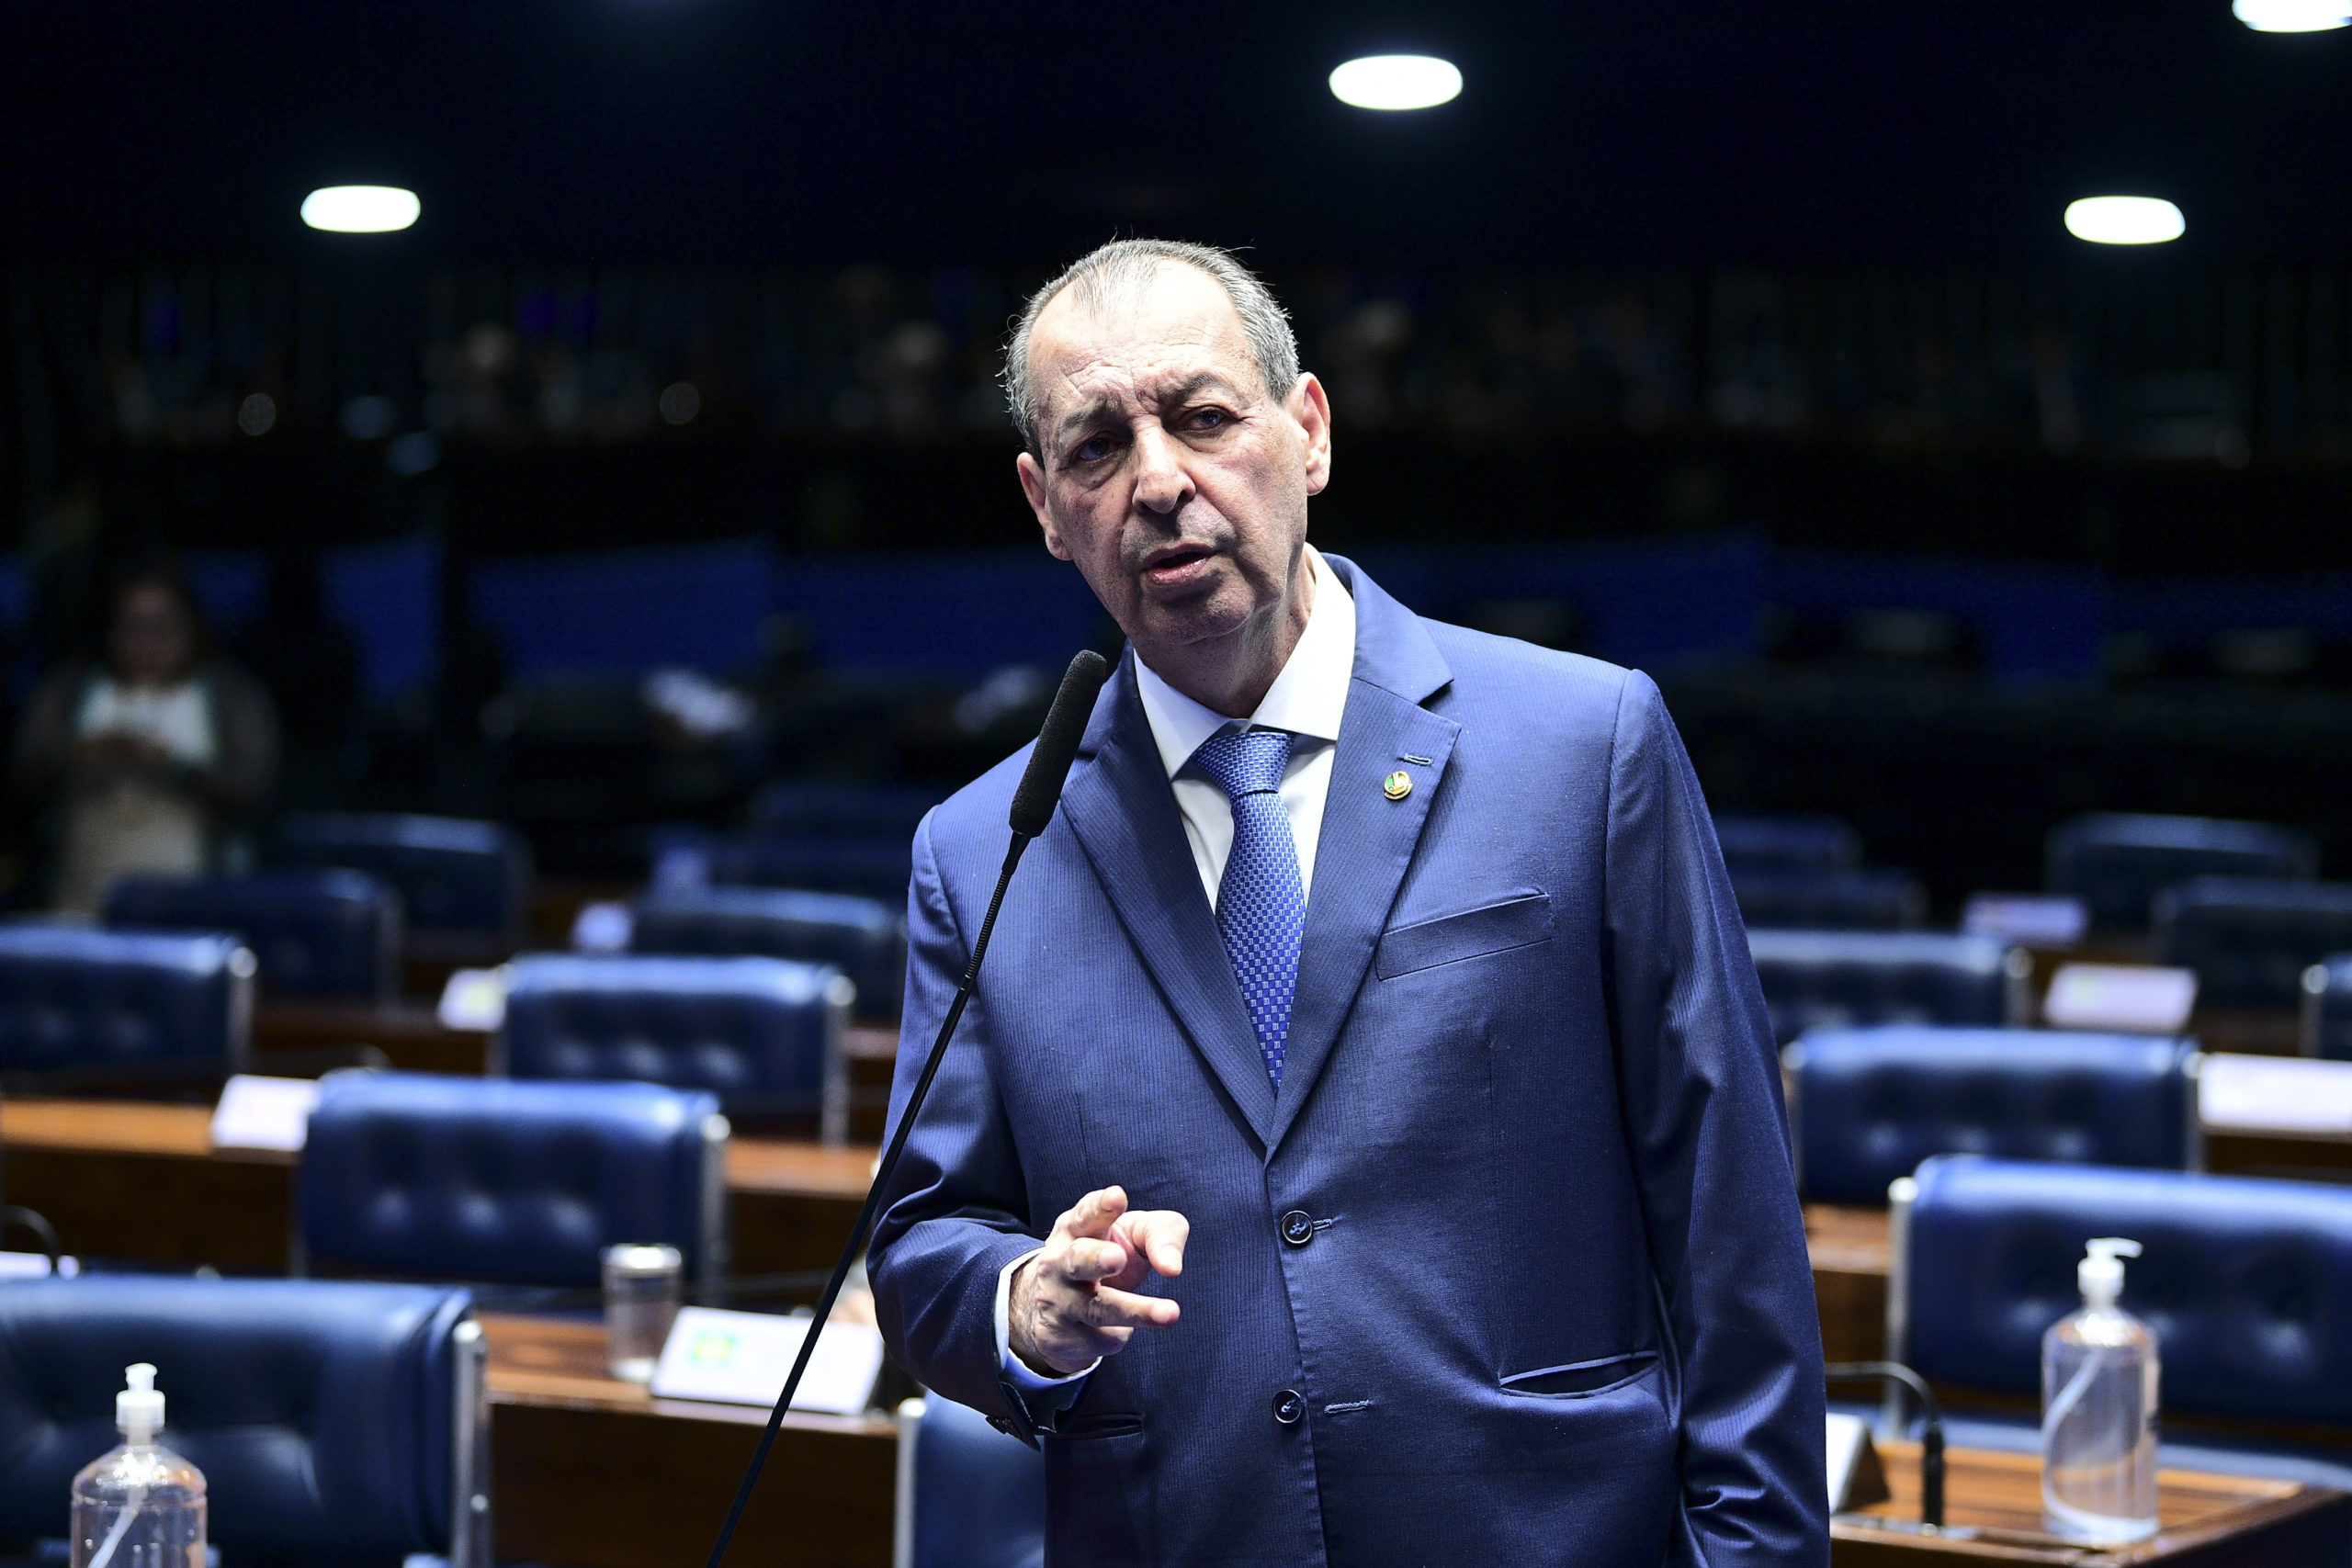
(1169, 474)
(152, 637)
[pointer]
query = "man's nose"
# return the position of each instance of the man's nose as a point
(1161, 483)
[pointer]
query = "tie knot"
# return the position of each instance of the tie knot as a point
(1245, 761)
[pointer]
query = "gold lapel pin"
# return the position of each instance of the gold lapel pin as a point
(1398, 786)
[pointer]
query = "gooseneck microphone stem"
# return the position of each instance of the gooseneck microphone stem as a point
(1931, 1428)
(1033, 809)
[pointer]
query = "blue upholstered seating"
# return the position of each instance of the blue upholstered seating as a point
(2118, 864)
(1869, 1104)
(335, 1423)
(969, 1496)
(313, 932)
(872, 811)
(73, 998)
(875, 867)
(2251, 938)
(2246, 1282)
(1786, 843)
(415, 1176)
(464, 885)
(864, 938)
(2327, 1008)
(1838, 979)
(1830, 899)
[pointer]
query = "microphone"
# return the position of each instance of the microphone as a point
(1033, 810)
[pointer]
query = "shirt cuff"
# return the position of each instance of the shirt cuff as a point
(1016, 1371)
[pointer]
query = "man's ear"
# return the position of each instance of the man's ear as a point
(1033, 485)
(1311, 406)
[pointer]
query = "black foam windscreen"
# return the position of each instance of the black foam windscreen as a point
(1041, 784)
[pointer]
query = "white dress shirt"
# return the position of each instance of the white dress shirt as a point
(1308, 698)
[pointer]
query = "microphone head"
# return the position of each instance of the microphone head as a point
(1041, 784)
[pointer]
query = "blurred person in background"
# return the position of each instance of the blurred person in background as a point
(154, 756)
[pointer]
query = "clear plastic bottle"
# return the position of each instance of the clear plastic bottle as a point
(141, 1505)
(2099, 1410)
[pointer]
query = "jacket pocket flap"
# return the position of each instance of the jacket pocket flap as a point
(1521, 920)
(1583, 1377)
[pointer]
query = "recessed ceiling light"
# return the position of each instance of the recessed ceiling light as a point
(360, 210)
(2291, 16)
(1396, 82)
(2124, 220)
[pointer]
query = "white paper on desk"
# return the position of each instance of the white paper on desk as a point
(2134, 997)
(2275, 1094)
(742, 1358)
(35, 1266)
(264, 1113)
(1846, 1435)
(2046, 920)
(474, 998)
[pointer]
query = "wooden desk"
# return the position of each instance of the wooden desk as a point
(1851, 1251)
(596, 1474)
(2208, 1520)
(408, 1032)
(121, 1178)
(2317, 1156)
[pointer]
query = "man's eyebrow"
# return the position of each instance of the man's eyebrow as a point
(1085, 414)
(1095, 408)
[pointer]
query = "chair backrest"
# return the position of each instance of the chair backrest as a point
(2246, 1281)
(1869, 1104)
(2117, 862)
(334, 1423)
(2327, 1008)
(1841, 979)
(416, 1176)
(804, 805)
(872, 867)
(2250, 939)
(461, 882)
(313, 932)
(969, 1496)
(73, 999)
(1830, 899)
(1786, 843)
(864, 938)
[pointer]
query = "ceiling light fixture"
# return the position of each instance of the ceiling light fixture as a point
(2124, 220)
(2293, 16)
(1397, 81)
(360, 210)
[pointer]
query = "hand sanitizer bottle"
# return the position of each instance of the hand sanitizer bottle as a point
(142, 1505)
(2099, 1410)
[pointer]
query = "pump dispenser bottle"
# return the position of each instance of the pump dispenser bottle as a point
(141, 1505)
(2099, 1410)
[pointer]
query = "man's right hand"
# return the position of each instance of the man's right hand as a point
(1075, 1302)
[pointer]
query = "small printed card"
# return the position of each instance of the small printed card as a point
(2276, 1094)
(2138, 1000)
(742, 1358)
(2051, 921)
(474, 998)
(264, 1113)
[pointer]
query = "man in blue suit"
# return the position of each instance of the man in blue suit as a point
(1365, 1146)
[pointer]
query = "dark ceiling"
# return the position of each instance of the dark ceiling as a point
(759, 130)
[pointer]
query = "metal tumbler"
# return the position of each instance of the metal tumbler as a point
(641, 1281)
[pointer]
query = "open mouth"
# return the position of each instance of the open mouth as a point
(1174, 565)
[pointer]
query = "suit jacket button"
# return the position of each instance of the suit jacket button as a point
(1298, 1227)
(1289, 1408)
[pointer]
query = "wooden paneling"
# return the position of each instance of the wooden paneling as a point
(1850, 1252)
(410, 1033)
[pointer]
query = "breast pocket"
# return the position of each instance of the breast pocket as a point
(1521, 920)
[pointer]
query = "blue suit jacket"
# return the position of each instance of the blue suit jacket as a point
(1556, 1307)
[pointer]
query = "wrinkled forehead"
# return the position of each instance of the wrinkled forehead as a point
(1155, 331)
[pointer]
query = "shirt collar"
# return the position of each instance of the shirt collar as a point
(1308, 698)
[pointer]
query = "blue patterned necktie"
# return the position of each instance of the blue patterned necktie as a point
(1261, 905)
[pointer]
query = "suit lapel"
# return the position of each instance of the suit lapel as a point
(1367, 841)
(1124, 815)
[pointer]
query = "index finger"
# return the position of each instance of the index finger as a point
(1095, 1214)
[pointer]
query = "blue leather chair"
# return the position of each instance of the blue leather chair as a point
(1841, 979)
(864, 938)
(1786, 843)
(314, 933)
(1869, 1104)
(415, 1176)
(2246, 1281)
(872, 811)
(74, 999)
(2118, 864)
(2327, 1008)
(2249, 938)
(1830, 899)
(464, 885)
(764, 1034)
(871, 867)
(969, 1496)
(336, 1423)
